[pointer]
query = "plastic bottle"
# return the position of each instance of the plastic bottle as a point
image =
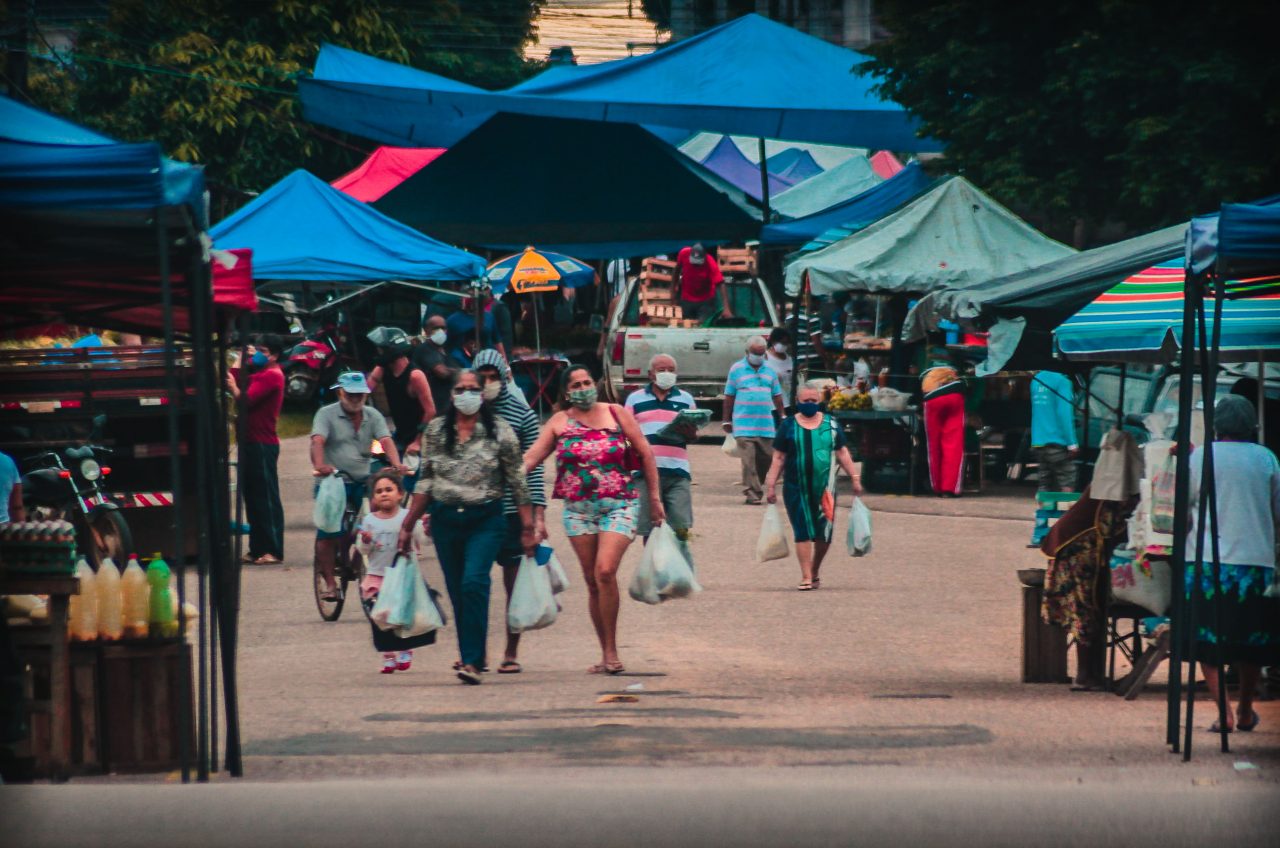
(160, 619)
(83, 626)
(110, 601)
(135, 597)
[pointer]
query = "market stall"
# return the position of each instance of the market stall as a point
(112, 235)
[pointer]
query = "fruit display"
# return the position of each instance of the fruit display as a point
(849, 399)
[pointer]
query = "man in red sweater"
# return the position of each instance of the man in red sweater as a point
(259, 452)
(697, 279)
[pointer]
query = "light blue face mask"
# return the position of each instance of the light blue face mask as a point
(259, 359)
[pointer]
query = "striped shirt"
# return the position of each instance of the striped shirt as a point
(512, 408)
(753, 391)
(669, 451)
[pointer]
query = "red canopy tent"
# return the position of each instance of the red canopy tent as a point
(385, 169)
(885, 164)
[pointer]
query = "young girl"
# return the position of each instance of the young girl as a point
(376, 540)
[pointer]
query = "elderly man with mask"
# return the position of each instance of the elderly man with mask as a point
(752, 395)
(342, 436)
(655, 406)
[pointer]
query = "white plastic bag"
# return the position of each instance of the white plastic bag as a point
(859, 538)
(394, 607)
(555, 571)
(1150, 588)
(730, 445)
(664, 573)
(773, 541)
(533, 605)
(331, 501)
(1163, 484)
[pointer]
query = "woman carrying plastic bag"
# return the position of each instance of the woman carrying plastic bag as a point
(533, 604)
(664, 573)
(772, 543)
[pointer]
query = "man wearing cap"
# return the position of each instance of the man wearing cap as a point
(409, 400)
(697, 278)
(342, 436)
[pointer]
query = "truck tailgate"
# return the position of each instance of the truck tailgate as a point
(703, 355)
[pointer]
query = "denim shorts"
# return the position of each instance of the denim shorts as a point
(606, 515)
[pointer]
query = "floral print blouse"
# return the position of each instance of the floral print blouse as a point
(477, 471)
(591, 464)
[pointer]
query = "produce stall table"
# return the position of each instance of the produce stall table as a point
(50, 639)
(904, 425)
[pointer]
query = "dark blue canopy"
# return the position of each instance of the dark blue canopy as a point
(50, 163)
(854, 214)
(1249, 238)
(303, 229)
(728, 161)
(750, 76)
(794, 164)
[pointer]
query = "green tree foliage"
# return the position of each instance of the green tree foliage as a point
(1079, 114)
(214, 82)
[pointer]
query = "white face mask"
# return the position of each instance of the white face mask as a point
(755, 359)
(468, 403)
(438, 337)
(664, 379)
(780, 348)
(492, 390)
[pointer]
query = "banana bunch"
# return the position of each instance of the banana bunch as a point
(849, 399)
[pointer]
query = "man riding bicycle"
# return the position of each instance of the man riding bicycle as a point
(342, 437)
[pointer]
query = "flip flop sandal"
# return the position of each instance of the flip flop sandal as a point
(457, 666)
(598, 668)
(614, 668)
(817, 584)
(805, 586)
(1248, 728)
(469, 677)
(510, 667)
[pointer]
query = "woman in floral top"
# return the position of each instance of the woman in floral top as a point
(469, 458)
(597, 447)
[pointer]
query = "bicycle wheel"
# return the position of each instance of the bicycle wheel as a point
(330, 609)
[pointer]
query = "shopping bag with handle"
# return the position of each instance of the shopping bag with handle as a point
(547, 558)
(533, 604)
(421, 612)
(394, 607)
(859, 537)
(773, 541)
(331, 501)
(664, 573)
(730, 445)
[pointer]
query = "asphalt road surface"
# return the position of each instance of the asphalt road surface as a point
(885, 708)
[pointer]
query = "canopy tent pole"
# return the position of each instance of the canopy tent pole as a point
(1210, 379)
(1262, 397)
(764, 182)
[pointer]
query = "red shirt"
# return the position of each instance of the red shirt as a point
(263, 400)
(698, 282)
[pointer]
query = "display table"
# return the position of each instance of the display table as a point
(885, 437)
(47, 641)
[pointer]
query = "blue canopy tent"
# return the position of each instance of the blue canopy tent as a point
(106, 233)
(794, 164)
(729, 162)
(846, 180)
(304, 229)
(750, 76)
(847, 217)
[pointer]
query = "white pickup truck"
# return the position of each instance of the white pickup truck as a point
(703, 354)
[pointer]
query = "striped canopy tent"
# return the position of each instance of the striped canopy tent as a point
(1140, 319)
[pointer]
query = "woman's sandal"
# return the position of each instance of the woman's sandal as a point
(816, 583)
(1247, 728)
(509, 667)
(598, 668)
(805, 586)
(615, 667)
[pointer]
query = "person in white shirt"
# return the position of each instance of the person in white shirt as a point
(778, 358)
(1247, 489)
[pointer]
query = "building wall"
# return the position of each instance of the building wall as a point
(849, 23)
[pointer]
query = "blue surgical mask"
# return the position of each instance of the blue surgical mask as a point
(259, 359)
(808, 408)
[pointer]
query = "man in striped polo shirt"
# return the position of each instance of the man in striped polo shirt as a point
(751, 396)
(655, 406)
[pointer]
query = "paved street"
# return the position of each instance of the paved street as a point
(896, 687)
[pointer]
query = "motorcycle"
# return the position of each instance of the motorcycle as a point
(72, 491)
(313, 365)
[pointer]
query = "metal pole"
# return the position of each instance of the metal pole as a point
(1209, 387)
(764, 184)
(1262, 397)
(1182, 455)
(200, 296)
(174, 399)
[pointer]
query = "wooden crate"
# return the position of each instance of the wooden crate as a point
(663, 277)
(655, 264)
(736, 260)
(141, 699)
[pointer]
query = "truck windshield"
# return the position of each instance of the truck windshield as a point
(748, 304)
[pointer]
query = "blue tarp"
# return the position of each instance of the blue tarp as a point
(50, 163)
(750, 76)
(795, 164)
(1249, 237)
(727, 160)
(855, 213)
(303, 229)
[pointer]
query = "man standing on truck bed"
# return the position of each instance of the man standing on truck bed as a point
(697, 279)
(655, 406)
(259, 454)
(751, 396)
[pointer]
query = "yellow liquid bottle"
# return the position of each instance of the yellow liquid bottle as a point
(84, 606)
(110, 601)
(135, 599)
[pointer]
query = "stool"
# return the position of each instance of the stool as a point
(1127, 642)
(1044, 645)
